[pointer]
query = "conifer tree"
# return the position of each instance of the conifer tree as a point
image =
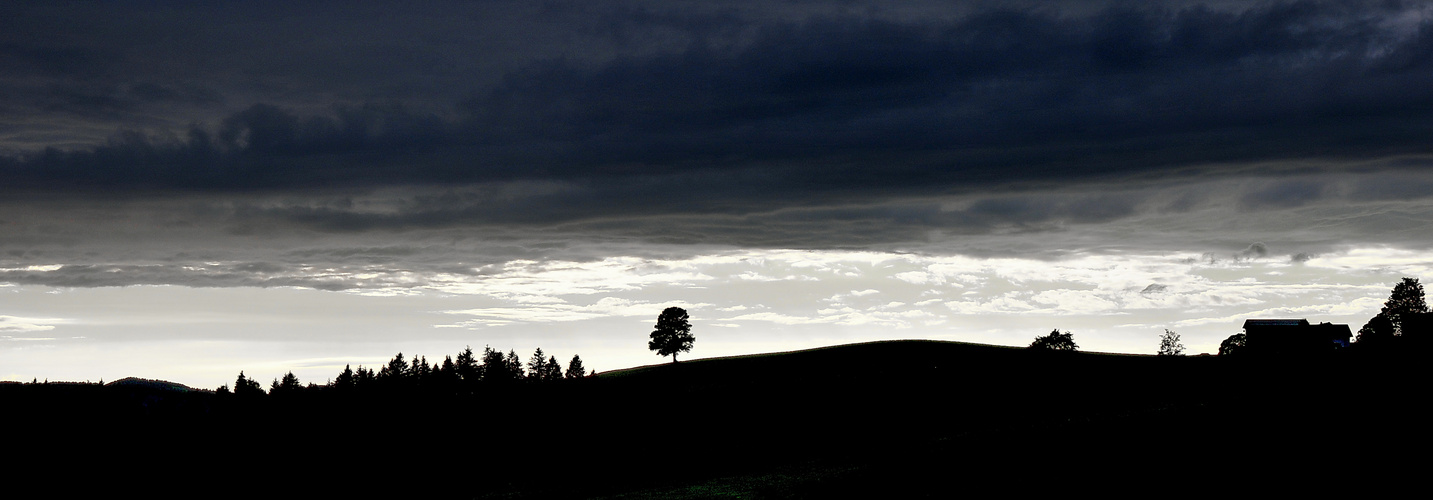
(446, 375)
(395, 371)
(552, 370)
(467, 366)
(247, 387)
(289, 384)
(364, 379)
(537, 366)
(495, 367)
(345, 380)
(575, 368)
(514, 365)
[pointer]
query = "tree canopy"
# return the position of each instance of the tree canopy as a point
(1233, 345)
(1055, 341)
(672, 334)
(1406, 298)
(1377, 331)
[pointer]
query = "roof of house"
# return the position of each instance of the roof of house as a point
(1275, 322)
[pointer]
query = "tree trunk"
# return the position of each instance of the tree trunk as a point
(674, 357)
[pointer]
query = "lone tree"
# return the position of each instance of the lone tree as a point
(1055, 341)
(673, 334)
(1169, 344)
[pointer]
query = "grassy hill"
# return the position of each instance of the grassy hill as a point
(925, 418)
(880, 419)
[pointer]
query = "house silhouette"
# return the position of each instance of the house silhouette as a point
(1293, 336)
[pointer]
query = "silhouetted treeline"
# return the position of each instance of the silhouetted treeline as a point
(459, 380)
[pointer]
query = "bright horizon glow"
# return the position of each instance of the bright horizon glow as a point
(741, 302)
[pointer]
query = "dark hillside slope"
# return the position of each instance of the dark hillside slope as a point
(956, 382)
(881, 419)
(921, 417)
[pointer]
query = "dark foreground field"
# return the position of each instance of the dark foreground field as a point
(884, 419)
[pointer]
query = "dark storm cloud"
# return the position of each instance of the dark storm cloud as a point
(832, 102)
(806, 124)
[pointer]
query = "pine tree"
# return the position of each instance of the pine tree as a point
(514, 365)
(364, 379)
(537, 366)
(419, 371)
(467, 366)
(575, 368)
(290, 384)
(446, 375)
(552, 370)
(495, 367)
(246, 387)
(395, 371)
(345, 380)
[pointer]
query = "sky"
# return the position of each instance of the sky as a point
(188, 190)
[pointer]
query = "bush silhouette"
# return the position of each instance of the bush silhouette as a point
(1055, 341)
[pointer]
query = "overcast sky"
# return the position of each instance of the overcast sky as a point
(190, 190)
